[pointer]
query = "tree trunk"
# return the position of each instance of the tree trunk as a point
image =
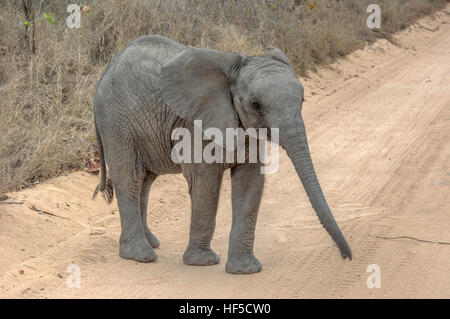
(29, 18)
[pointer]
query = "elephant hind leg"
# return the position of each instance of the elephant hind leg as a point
(143, 204)
(133, 241)
(126, 163)
(128, 181)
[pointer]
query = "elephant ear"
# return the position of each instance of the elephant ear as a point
(277, 54)
(195, 84)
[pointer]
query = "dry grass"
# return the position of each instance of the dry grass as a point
(46, 98)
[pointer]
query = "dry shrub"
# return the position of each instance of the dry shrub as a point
(46, 98)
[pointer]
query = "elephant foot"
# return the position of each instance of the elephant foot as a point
(243, 264)
(200, 257)
(152, 239)
(137, 249)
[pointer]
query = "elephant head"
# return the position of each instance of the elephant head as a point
(227, 90)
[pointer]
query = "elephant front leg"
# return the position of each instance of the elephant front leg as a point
(204, 184)
(247, 184)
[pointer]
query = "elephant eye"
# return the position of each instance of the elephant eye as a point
(256, 106)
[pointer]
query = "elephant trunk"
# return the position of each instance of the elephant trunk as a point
(293, 140)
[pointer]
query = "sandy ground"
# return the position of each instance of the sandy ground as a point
(379, 131)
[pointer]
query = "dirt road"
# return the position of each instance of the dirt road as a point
(379, 132)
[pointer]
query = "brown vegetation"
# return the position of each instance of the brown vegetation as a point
(46, 96)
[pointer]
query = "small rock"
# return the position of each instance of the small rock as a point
(26, 290)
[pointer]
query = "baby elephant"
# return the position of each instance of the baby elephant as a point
(155, 86)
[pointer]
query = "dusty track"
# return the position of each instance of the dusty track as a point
(379, 130)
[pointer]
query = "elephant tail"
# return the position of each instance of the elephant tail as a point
(105, 186)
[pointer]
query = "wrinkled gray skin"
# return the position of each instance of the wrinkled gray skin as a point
(155, 85)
